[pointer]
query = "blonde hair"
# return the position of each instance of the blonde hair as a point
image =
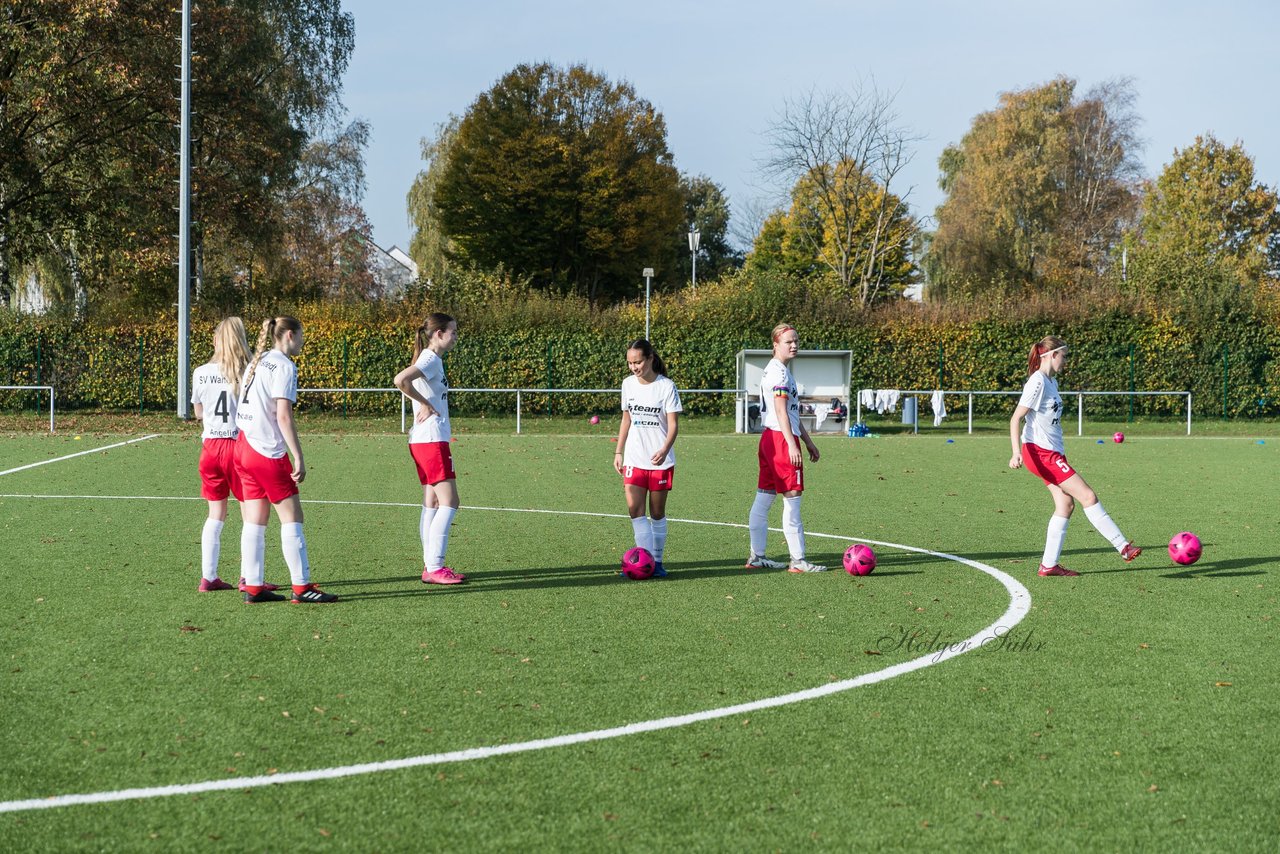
(231, 351)
(436, 321)
(272, 331)
(1045, 345)
(778, 330)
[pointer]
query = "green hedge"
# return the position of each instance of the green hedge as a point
(134, 367)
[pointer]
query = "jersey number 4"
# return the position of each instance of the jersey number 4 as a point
(221, 409)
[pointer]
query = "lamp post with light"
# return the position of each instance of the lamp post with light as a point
(648, 274)
(694, 238)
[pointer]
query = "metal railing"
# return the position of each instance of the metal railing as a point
(47, 388)
(518, 392)
(1079, 395)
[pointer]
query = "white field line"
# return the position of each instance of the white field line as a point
(1019, 607)
(78, 454)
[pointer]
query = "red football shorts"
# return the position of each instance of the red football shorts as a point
(218, 477)
(434, 461)
(263, 477)
(1050, 466)
(654, 480)
(777, 474)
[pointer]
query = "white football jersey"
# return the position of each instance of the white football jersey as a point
(210, 389)
(648, 405)
(1043, 426)
(777, 380)
(435, 388)
(275, 377)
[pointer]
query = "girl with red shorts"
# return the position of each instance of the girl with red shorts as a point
(268, 435)
(425, 384)
(214, 388)
(781, 465)
(650, 420)
(1040, 449)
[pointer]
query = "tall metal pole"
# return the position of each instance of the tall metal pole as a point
(184, 222)
(648, 274)
(694, 235)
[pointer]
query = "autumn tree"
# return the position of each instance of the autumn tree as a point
(804, 241)
(1206, 210)
(564, 177)
(87, 141)
(69, 93)
(429, 247)
(324, 244)
(1039, 191)
(840, 153)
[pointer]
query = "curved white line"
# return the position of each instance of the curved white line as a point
(1019, 607)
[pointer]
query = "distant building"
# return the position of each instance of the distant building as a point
(392, 269)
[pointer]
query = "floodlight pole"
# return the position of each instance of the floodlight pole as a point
(694, 239)
(648, 274)
(184, 222)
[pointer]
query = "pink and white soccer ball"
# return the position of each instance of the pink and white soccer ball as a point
(1118, 438)
(595, 419)
(859, 559)
(637, 563)
(1185, 548)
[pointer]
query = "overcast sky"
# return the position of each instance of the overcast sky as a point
(719, 72)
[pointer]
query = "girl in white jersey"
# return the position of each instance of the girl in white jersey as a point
(425, 384)
(1041, 450)
(650, 421)
(214, 387)
(267, 435)
(781, 464)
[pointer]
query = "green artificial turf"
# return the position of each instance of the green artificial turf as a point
(1131, 709)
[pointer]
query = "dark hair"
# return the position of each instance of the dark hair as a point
(435, 322)
(646, 350)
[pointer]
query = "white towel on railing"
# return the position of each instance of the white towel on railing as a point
(939, 408)
(887, 400)
(867, 399)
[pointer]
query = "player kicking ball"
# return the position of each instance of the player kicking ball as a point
(1041, 451)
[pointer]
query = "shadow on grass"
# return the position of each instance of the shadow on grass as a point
(1218, 569)
(575, 576)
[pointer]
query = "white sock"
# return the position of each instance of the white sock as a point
(294, 546)
(758, 522)
(253, 550)
(424, 532)
(659, 537)
(792, 527)
(440, 537)
(1053, 540)
(642, 528)
(1107, 528)
(210, 548)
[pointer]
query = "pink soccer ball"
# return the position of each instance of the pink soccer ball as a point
(637, 564)
(595, 419)
(859, 559)
(1118, 438)
(1185, 548)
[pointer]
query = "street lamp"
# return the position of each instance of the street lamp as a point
(648, 274)
(694, 236)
